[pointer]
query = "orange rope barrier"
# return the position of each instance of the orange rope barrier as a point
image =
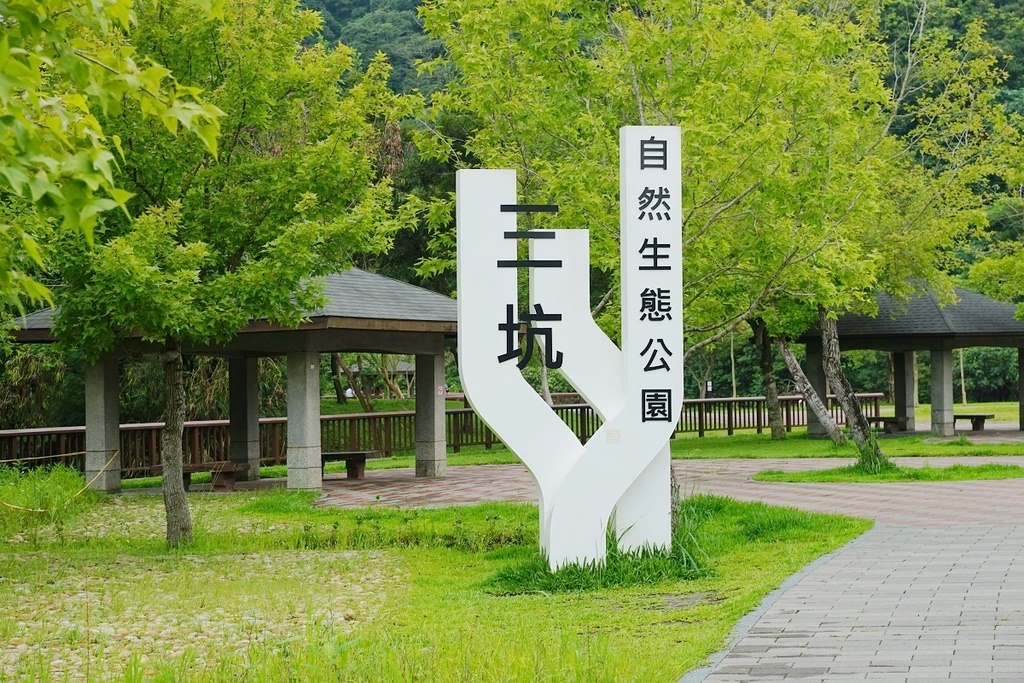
(43, 457)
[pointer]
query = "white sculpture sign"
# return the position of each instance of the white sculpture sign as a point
(622, 472)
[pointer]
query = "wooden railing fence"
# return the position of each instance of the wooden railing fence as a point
(391, 432)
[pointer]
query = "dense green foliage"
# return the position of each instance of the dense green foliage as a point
(293, 194)
(63, 64)
(813, 174)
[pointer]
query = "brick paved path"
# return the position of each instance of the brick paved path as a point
(934, 592)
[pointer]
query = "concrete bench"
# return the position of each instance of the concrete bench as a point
(355, 461)
(889, 424)
(223, 473)
(977, 419)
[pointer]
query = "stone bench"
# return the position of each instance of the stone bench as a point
(222, 473)
(355, 461)
(977, 419)
(889, 424)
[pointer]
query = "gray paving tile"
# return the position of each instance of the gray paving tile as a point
(925, 597)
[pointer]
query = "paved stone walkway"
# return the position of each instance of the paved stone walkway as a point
(934, 592)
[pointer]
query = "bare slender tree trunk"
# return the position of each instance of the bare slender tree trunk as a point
(336, 373)
(871, 458)
(810, 395)
(732, 362)
(179, 519)
(357, 389)
(392, 385)
(763, 342)
(892, 377)
(963, 379)
(545, 381)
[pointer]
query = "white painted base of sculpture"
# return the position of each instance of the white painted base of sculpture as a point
(643, 517)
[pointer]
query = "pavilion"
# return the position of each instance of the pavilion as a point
(363, 312)
(923, 324)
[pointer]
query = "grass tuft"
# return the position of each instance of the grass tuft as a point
(687, 560)
(38, 498)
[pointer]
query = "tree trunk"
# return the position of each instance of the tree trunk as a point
(392, 385)
(179, 519)
(871, 458)
(811, 397)
(765, 358)
(339, 388)
(892, 377)
(545, 383)
(732, 362)
(359, 390)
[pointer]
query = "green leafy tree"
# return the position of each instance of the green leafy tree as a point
(63, 65)
(223, 240)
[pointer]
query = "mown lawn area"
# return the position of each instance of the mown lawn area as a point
(855, 475)
(798, 445)
(277, 589)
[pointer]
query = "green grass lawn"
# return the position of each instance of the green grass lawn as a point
(897, 474)
(276, 589)
(798, 445)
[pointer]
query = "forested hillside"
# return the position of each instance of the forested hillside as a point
(388, 26)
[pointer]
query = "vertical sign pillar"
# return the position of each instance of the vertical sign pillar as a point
(652, 323)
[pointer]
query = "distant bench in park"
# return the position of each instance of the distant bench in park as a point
(977, 419)
(222, 473)
(889, 424)
(355, 461)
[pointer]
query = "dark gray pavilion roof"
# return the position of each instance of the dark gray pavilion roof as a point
(356, 293)
(923, 323)
(351, 295)
(39, 320)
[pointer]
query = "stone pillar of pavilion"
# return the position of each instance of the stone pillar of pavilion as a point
(102, 426)
(304, 420)
(431, 450)
(814, 368)
(244, 415)
(905, 385)
(942, 392)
